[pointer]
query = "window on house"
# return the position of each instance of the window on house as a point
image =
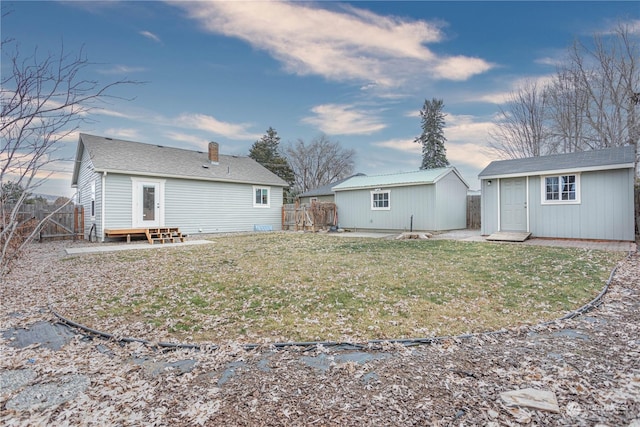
(93, 200)
(561, 189)
(261, 197)
(380, 200)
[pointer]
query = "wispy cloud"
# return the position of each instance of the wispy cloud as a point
(121, 69)
(124, 133)
(214, 126)
(466, 142)
(340, 43)
(342, 119)
(150, 36)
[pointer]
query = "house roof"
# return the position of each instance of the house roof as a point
(424, 176)
(135, 158)
(608, 158)
(326, 190)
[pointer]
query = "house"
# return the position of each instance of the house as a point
(131, 185)
(322, 194)
(583, 195)
(424, 200)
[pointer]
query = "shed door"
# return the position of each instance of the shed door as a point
(513, 204)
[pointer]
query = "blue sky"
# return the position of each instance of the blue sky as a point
(358, 72)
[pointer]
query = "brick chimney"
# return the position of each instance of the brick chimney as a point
(213, 153)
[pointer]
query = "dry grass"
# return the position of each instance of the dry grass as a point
(298, 287)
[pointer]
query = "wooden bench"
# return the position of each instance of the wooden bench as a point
(155, 234)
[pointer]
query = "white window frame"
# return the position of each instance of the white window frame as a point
(543, 189)
(261, 205)
(384, 208)
(93, 200)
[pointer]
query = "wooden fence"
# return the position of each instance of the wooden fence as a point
(473, 212)
(53, 222)
(637, 200)
(319, 215)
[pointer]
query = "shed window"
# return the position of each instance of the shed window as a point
(380, 200)
(559, 189)
(261, 197)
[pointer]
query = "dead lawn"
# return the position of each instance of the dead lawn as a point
(277, 287)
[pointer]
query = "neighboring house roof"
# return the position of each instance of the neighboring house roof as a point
(608, 158)
(326, 190)
(424, 176)
(136, 158)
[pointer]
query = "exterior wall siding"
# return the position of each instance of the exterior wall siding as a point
(434, 207)
(605, 211)
(489, 207)
(307, 200)
(86, 177)
(196, 206)
(451, 203)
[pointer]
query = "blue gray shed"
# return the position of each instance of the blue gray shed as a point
(583, 195)
(132, 185)
(425, 200)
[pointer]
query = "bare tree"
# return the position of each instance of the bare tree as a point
(521, 130)
(591, 102)
(44, 100)
(319, 163)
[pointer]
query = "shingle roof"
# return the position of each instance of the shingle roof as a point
(136, 158)
(425, 176)
(326, 190)
(608, 158)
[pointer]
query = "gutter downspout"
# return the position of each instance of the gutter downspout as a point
(102, 209)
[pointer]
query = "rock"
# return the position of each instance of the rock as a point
(49, 335)
(40, 396)
(16, 378)
(544, 400)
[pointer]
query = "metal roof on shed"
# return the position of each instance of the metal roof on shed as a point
(424, 176)
(608, 158)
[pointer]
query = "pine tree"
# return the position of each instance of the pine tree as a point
(434, 153)
(266, 151)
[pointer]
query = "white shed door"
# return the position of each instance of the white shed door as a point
(513, 204)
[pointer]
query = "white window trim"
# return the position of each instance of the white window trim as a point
(261, 205)
(92, 202)
(387, 208)
(543, 190)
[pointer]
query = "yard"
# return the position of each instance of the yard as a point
(276, 287)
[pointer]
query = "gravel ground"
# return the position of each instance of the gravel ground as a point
(591, 365)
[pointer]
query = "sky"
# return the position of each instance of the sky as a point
(358, 72)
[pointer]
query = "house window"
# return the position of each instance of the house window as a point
(380, 200)
(261, 197)
(561, 189)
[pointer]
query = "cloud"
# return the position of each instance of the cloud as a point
(121, 69)
(124, 133)
(212, 125)
(190, 139)
(343, 119)
(466, 142)
(150, 36)
(341, 44)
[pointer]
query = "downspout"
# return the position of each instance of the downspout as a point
(102, 209)
(526, 204)
(499, 206)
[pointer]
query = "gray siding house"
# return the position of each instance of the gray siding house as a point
(428, 200)
(125, 185)
(584, 195)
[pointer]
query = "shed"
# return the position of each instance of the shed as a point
(132, 185)
(324, 193)
(582, 195)
(423, 200)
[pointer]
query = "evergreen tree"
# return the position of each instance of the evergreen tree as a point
(266, 151)
(434, 153)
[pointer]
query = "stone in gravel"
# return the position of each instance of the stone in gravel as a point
(532, 398)
(49, 335)
(40, 396)
(16, 378)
